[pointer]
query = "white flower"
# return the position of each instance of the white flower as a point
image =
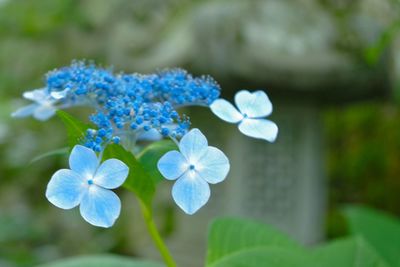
(253, 107)
(42, 109)
(193, 167)
(88, 184)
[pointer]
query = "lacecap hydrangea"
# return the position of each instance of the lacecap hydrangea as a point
(133, 107)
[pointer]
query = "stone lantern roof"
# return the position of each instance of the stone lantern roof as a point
(296, 48)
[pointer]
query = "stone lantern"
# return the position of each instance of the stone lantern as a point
(305, 59)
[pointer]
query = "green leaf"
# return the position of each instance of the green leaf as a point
(101, 261)
(349, 252)
(76, 129)
(151, 154)
(243, 243)
(354, 252)
(56, 152)
(269, 257)
(138, 181)
(228, 235)
(380, 230)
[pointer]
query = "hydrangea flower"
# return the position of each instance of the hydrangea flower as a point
(194, 166)
(127, 106)
(137, 107)
(88, 185)
(253, 107)
(43, 107)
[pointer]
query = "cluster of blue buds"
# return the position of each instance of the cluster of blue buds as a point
(133, 107)
(127, 105)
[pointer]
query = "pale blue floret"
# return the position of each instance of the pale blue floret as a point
(43, 107)
(253, 107)
(88, 184)
(194, 167)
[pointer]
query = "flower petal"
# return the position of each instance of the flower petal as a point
(151, 135)
(254, 105)
(193, 145)
(65, 189)
(83, 161)
(60, 94)
(154, 134)
(111, 174)
(25, 111)
(43, 113)
(38, 95)
(213, 166)
(226, 111)
(100, 207)
(172, 165)
(258, 128)
(191, 192)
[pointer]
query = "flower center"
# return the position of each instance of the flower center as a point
(192, 167)
(90, 182)
(245, 116)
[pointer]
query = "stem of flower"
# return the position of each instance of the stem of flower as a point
(155, 235)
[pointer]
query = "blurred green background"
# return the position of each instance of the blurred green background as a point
(362, 134)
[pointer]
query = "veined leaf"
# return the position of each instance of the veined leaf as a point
(101, 261)
(138, 181)
(265, 257)
(150, 156)
(244, 243)
(349, 252)
(352, 252)
(229, 235)
(76, 129)
(380, 230)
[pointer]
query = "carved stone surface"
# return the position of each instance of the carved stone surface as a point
(283, 183)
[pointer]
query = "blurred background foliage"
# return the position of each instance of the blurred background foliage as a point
(363, 159)
(363, 139)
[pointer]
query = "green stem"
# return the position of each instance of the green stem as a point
(155, 235)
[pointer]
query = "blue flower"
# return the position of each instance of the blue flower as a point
(253, 107)
(88, 184)
(196, 165)
(126, 105)
(42, 109)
